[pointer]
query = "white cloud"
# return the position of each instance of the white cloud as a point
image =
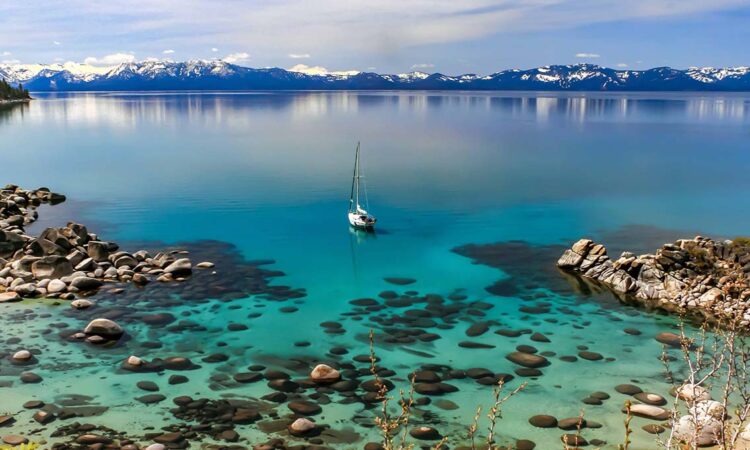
(168, 52)
(11, 61)
(110, 60)
(423, 66)
(309, 70)
(622, 65)
(214, 49)
(587, 55)
(56, 42)
(299, 55)
(236, 57)
(6, 53)
(319, 70)
(384, 30)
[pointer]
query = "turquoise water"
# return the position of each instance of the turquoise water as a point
(270, 174)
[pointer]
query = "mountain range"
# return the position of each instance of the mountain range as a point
(222, 76)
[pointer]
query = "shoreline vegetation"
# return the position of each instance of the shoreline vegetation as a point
(10, 94)
(705, 400)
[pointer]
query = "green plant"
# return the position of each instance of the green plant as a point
(741, 242)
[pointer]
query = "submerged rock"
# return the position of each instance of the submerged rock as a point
(323, 373)
(527, 360)
(105, 328)
(301, 426)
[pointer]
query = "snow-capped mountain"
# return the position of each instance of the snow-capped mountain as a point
(220, 75)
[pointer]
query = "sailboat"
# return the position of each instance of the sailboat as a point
(359, 218)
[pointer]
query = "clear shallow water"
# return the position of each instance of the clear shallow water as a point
(270, 174)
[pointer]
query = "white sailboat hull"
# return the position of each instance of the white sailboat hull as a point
(362, 221)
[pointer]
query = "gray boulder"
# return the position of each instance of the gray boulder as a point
(180, 267)
(98, 250)
(105, 328)
(51, 267)
(86, 283)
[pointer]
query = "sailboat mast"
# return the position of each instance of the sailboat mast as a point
(356, 162)
(355, 182)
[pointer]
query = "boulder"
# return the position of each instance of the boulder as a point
(86, 283)
(745, 434)
(98, 250)
(104, 328)
(180, 267)
(26, 289)
(301, 427)
(156, 447)
(670, 339)
(51, 267)
(527, 360)
(323, 373)
(134, 361)
(692, 393)
(707, 430)
(56, 286)
(649, 412)
(81, 303)
(304, 407)
(543, 421)
(9, 297)
(86, 264)
(42, 247)
(9, 243)
(569, 260)
(14, 439)
(708, 408)
(22, 355)
(425, 433)
(126, 260)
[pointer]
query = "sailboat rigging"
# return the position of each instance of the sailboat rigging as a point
(359, 218)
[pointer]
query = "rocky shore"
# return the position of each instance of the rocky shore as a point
(70, 262)
(699, 276)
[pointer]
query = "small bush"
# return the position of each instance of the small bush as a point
(741, 242)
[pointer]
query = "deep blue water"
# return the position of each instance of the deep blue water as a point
(270, 174)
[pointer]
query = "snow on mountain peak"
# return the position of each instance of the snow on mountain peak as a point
(219, 74)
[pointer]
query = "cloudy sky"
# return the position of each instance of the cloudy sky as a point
(450, 36)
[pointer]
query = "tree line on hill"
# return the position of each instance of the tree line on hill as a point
(8, 92)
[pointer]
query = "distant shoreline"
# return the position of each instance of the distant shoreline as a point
(220, 75)
(400, 90)
(13, 101)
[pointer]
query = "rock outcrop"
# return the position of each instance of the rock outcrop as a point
(699, 276)
(62, 262)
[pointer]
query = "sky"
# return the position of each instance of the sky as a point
(386, 36)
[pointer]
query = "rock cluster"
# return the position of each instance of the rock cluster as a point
(62, 262)
(700, 276)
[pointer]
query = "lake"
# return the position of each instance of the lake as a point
(521, 175)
